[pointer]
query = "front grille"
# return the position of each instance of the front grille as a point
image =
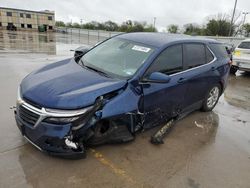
(27, 116)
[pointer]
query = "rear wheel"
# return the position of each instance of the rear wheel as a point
(211, 98)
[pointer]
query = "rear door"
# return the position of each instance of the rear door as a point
(199, 68)
(164, 100)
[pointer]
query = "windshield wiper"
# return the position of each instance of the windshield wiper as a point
(96, 70)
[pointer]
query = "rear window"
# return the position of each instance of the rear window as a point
(195, 55)
(209, 56)
(245, 45)
(219, 50)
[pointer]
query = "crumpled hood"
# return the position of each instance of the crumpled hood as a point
(66, 85)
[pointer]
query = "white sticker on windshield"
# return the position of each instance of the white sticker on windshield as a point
(141, 48)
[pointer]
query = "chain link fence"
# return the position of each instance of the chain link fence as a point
(87, 36)
(92, 37)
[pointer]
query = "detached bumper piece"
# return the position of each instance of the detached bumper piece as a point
(157, 138)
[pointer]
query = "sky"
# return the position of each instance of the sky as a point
(167, 12)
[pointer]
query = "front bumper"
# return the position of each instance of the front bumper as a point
(50, 138)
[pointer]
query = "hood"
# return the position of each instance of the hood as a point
(66, 85)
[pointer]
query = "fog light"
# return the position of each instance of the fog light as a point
(70, 144)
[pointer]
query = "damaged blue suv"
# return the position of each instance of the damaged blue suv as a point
(128, 83)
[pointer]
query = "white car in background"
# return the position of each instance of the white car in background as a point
(241, 57)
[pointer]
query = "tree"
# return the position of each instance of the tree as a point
(128, 26)
(173, 28)
(123, 28)
(76, 25)
(110, 26)
(60, 24)
(219, 27)
(246, 29)
(136, 27)
(94, 25)
(69, 24)
(220, 24)
(193, 29)
(150, 28)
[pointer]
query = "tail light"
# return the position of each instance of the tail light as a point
(230, 62)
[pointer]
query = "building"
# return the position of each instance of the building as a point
(18, 19)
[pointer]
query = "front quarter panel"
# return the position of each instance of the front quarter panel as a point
(129, 100)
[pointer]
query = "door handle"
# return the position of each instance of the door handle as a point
(181, 80)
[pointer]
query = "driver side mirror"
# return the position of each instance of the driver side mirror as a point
(79, 52)
(157, 77)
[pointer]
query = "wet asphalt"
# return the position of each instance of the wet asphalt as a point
(203, 150)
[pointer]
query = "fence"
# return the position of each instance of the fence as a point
(93, 36)
(230, 40)
(87, 36)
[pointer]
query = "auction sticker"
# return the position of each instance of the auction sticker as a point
(141, 48)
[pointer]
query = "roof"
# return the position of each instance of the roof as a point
(160, 39)
(41, 12)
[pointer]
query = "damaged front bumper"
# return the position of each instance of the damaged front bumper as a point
(53, 131)
(51, 139)
(90, 126)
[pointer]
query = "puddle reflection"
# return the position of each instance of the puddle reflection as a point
(28, 42)
(238, 89)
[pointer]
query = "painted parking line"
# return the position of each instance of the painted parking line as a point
(115, 169)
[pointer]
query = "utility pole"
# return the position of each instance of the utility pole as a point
(81, 23)
(245, 14)
(154, 21)
(244, 19)
(231, 24)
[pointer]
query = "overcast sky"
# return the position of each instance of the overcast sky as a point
(166, 11)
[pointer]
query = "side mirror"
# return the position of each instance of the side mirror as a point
(79, 52)
(157, 77)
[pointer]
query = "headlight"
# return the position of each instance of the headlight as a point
(65, 116)
(19, 96)
(66, 113)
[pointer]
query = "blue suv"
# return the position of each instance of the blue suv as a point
(128, 83)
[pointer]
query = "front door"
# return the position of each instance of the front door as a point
(165, 100)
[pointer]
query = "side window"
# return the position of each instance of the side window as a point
(209, 55)
(219, 50)
(9, 13)
(195, 55)
(28, 15)
(168, 62)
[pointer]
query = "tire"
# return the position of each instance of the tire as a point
(211, 98)
(233, 69)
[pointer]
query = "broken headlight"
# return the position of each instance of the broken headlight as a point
(64, 116)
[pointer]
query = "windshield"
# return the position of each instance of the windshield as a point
(245, 45)
(117, 57)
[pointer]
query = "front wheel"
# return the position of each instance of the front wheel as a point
(211, 98)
